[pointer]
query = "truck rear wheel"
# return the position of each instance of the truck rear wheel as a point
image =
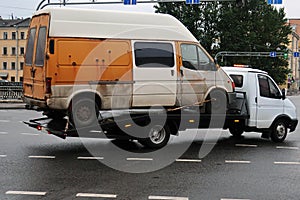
(158, 137)
(237, 129)
(84, 112)
(279, 130)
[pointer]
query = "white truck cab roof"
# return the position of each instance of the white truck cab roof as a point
(243, 69)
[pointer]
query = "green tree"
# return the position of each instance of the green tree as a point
(253, 27)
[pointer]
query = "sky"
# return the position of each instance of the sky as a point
(25, 8)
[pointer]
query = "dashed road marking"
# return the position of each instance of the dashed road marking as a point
(4, 121)
(167, 198)
(31, 134)
(27, 193)
(233, 199)
(188, 160)
(287, 163)
(111, 196)
(95, 131)
(3, 156)
(42, 157)
(246, 145)
(238, 161)
(90, 158)
(285, 147)
(3, 133)
(139, 159)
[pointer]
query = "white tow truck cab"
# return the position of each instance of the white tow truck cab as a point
(271, 113)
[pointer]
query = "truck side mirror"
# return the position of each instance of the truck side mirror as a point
(283, 91)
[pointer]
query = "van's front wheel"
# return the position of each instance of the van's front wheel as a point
(279, 130)
(84, 112)
(158, 137)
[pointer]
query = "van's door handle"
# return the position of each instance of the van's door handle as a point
(255, 99)
(172, 72)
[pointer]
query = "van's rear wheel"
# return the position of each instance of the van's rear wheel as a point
(279, 130)
(237, 129)
(84, 112)
(158, 137)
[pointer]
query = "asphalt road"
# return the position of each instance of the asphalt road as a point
(34, 165)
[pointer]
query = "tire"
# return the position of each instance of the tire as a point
(279, 130)
(236, 130)
(158, 137)
(84, 112)
(218, 103)
(55, 114)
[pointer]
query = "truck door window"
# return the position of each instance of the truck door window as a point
(40, 47)
(30, 46)
(268, 88)
(238, 80)
(154, 54)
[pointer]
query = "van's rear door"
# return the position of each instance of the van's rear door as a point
(35, 62)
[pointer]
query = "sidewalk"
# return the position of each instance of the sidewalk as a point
(12, 104)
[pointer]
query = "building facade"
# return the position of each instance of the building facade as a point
(294, 62)
(13, 33)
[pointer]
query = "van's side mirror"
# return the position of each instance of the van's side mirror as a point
(283, 91)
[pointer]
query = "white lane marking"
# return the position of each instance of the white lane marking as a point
(111, 196)
(3, 156)
(3, 133)
(246, 145)
(94, 131)
(285, 147)
(139, 159)
(287, 163)
(167, 198)
(27, 193)
(188, 160)
(42, 157)
(4, 121)
(233, 199)
(90, 158)
(31, 134)
(238, 161)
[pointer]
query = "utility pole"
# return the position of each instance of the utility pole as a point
(17, 53)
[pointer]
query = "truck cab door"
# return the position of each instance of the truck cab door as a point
(269, 101)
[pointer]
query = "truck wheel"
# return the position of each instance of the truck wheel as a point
(84, 112)
(236, 130)
(158, 137)
(217, 103)
(279, 130)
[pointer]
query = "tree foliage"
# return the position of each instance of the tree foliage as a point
(254, 27)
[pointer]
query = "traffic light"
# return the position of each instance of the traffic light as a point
(286, 56)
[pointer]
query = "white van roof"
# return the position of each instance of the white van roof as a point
(89, 23)
(243, 69)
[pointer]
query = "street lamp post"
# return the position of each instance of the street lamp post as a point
(17, 54)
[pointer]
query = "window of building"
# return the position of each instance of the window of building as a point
(21, 65)
(22, 51)
(21, 79)
(13, 36)
(12, 79)
(13, 51)
(5, 35)
(30, 45)
(4, 50)
(153, 54)
(13, 66)
(22, 36)
(4, 65)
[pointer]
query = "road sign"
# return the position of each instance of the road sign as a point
(273, 54)
(296, 54)
(129, 2)
(192, 1)
(274, 1)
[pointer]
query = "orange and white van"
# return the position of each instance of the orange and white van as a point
(80, 60)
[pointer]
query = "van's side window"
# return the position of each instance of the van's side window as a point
(30, 46)
(267, 87)
(154, 54)
(193, 57)
(40, 47)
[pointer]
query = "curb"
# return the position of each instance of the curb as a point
(12, 105)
